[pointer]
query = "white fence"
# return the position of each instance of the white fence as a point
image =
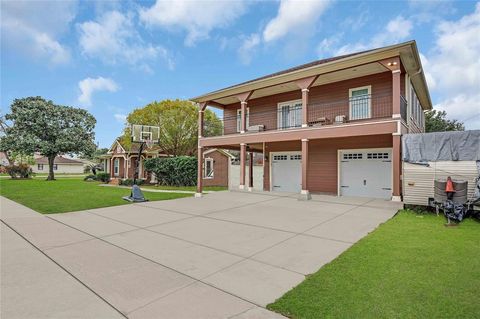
(234, 177)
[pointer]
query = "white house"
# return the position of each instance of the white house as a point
(61, 165)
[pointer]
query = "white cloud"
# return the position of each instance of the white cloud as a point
(453, 68)
(246, 49)
(197, 18)
(396, 30)
(294, 16)
(28, 27)
(114, 39)
(121, 118)
(90, 85)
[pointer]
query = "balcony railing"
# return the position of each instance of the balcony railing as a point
(362, 108)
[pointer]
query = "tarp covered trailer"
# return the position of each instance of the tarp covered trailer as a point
(430, 156)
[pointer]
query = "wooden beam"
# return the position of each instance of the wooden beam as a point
(244, 97)
(306, 83)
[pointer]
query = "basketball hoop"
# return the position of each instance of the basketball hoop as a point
(145, 135)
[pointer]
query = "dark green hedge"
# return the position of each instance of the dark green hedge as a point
(174, 171)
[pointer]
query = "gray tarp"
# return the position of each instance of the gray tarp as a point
(441, 146)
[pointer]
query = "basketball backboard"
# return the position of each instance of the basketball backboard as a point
(145, 133)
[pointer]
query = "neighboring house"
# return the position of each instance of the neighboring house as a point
(216, 167)
(120, 161)
(331, 126)
(61, 165)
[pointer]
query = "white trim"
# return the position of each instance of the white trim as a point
(116, 160)
(271, 154)
(198, 195)
(205, 160)
(339, 151)
(221, 151)
(242, 187)
(290, 104)
(305, 90)
(397, 71)
(304, 139)
(238, 120)
(325, 127)
(369, 90)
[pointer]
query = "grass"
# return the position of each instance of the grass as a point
(410, 267)
(69, 194)
(186, 188)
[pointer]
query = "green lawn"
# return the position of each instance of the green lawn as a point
(69, 194)
(186, 188)
(410, 267)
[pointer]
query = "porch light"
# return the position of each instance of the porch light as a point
(392, 63)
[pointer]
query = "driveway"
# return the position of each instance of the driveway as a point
(226, 255)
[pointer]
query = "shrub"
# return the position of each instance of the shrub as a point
(174, 171)
(19, 171)
(90, 178)
(103, 177)
(129, 182)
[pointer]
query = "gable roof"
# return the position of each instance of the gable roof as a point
(58, 160)
(134, 148)
(221, 151)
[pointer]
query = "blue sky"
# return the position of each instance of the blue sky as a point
(113, 56)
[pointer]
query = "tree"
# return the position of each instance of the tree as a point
(40, 126)
(436, 121)
(178, 122)
(95, 156)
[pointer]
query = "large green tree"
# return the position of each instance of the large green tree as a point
(178, 122)
(436, 121)
(38, 125)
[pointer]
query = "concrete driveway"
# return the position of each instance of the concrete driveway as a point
(226, 255)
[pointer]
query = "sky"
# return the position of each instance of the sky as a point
(111, 57)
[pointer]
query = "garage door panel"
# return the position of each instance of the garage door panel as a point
(366, 173)
(286, 172)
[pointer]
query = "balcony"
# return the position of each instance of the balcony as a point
(284, 117)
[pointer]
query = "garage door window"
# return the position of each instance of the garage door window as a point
(377, 155)
(280, 157)
(352, 156)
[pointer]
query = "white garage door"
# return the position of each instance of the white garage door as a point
(286, 172)
(366, 173)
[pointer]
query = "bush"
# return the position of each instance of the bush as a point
(174, 171)
(103, 177)
(129, 182)
(19, 171)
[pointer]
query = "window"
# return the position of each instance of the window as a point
(116, 166)
(416, 111)
(350, 156)
(289, 114)
(377, 155)
(280, 157)
(208, 168)
(55, 167)
(40, 167)
(360, 103)
(239, 119)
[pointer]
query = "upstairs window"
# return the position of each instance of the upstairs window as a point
(289, 114)
(239, 119)
(360, 103)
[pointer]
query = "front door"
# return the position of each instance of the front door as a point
(286, 172)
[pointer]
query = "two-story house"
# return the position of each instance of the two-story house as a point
(331, 126)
